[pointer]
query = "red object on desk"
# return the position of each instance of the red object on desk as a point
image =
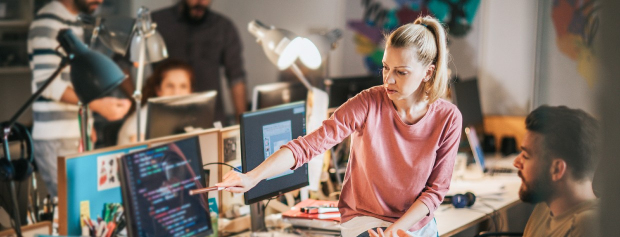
(295, 212)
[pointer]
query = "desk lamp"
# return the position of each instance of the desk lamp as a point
(323, 43)
(114, 32)
(92, 75)
(139, 36)
(282, 48)
(147, 45)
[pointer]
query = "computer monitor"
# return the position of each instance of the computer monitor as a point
(155, 184)
(262, 133)
(467, 98)
(342, 89)
(273, 94)
(179, 114)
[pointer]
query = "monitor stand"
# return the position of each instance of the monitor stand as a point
(257, 214)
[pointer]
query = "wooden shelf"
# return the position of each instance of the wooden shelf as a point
(14, 70)
(14, 23)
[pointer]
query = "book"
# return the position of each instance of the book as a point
(296, 213)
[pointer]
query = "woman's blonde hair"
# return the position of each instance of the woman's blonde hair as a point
(428, 36)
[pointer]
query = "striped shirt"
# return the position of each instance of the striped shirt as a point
(52, 119)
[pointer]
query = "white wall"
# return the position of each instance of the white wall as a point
(499, 51)
(507, 56)
(559, 82)
(299, 16)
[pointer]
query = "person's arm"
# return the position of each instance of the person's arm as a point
(280, 161)
(234, 70)
(111, 108)
(343, 122)
(416, 212)
(239, 98)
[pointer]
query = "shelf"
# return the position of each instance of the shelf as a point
(14, 23)
(14, 70)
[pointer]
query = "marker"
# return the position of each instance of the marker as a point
(204, 190)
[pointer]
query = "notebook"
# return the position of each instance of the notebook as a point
(497, 164)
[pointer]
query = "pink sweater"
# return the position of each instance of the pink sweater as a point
(391, 164)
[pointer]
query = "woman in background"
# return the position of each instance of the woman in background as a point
(171, 77)
(404, 141)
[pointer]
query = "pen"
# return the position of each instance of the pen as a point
(204, 190)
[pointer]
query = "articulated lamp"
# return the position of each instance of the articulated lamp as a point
(92, 75)
(147, 45)
(139, 36)
(282, 48)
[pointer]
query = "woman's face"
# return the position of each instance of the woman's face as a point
(175, 82)
(403, 73)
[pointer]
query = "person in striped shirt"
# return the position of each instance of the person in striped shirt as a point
(56, 128)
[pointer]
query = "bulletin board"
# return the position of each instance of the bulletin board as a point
(88, 177)
(91, 178)
(230, 153)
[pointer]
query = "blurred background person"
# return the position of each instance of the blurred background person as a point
(208, 41)
(56, 130)
(171, 77)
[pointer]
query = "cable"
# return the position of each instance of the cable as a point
(269, 200)
(494, 217)
(220, 163)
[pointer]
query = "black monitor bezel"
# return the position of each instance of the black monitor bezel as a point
(148, 134)
(244, 166)
(330, 82)
(261, 91)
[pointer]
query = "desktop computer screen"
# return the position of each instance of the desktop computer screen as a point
(342, 89)
(467, 98)
(180, 114)
(277, 93)
(262, 133)
(155, 187)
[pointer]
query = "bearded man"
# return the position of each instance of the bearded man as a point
(556, 165)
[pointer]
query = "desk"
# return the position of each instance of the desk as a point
(451, 220)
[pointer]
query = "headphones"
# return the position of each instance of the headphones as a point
(20, 168)
(460, 200)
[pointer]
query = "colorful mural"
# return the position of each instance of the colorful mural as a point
(457, 15)
(576, 24)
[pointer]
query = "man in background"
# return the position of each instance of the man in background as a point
(208, 41)
(56, 128)
(556, 166)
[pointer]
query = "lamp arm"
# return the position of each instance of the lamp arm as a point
(63, 63)
(5, 139)
(137, 95)
(301, 76)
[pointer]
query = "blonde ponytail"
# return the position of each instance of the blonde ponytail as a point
(428, 36)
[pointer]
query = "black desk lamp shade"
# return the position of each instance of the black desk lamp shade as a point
(92, 74)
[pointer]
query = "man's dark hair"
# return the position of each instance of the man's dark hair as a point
(569, 134)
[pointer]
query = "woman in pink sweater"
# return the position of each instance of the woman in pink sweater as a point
(404, 140)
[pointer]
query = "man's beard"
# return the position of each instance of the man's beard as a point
(537, 191)
(85, 7)
(194, 19)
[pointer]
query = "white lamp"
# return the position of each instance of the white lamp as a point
(146, 46)
(282, 48)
